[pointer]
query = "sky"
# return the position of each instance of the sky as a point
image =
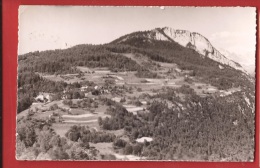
(41, 28)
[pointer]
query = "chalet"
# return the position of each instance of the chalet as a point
(116, 99)
(211, 90)
(143, 139)
(83, 88)
(44, 97)
(135, 110)
(40, 98)
(178, 70)
(144, 102)
(86, 94)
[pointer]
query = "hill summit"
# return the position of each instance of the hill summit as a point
(184, 38)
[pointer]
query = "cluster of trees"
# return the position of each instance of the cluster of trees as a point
(66, 60)
(86, 135)
(74, 94)
(120, 118)
(85, 103)
(206, 128)
(129, 148)
(107, 101)
(147, 74)
(119, 143)
(135, 149)
(36, 140)
(210, 128)
(31, 84)
(186, 89)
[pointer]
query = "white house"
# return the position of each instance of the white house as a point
(83, 88)
(116, 99)
(141, 140)
(178, 70)
(43, 97)
(39, 98)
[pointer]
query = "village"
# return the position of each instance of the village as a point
(84, 104)
(96, 90)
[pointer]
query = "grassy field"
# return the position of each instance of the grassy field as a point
(83, 116)
(65, 119)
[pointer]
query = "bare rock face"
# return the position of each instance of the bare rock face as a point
(199, 43)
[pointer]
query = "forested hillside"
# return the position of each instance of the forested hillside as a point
(102, 56)
(102, 99)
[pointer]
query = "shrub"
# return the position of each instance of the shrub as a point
(123, 100)
(119, 143)
(108, 157)
(139, 89)
(54, 107)
(128, 149)
(138, 103)
(67, 102)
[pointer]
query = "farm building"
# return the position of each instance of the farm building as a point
(116, 99)
(83, 88)
(211, 90)
(44, 97)
(141, 140)
(178, 70)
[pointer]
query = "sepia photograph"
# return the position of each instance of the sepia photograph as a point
(136, 83)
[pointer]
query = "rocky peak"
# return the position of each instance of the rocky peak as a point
(188, 39)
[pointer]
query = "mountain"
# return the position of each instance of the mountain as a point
(248, 63)
(193, 102)
(186, 39)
